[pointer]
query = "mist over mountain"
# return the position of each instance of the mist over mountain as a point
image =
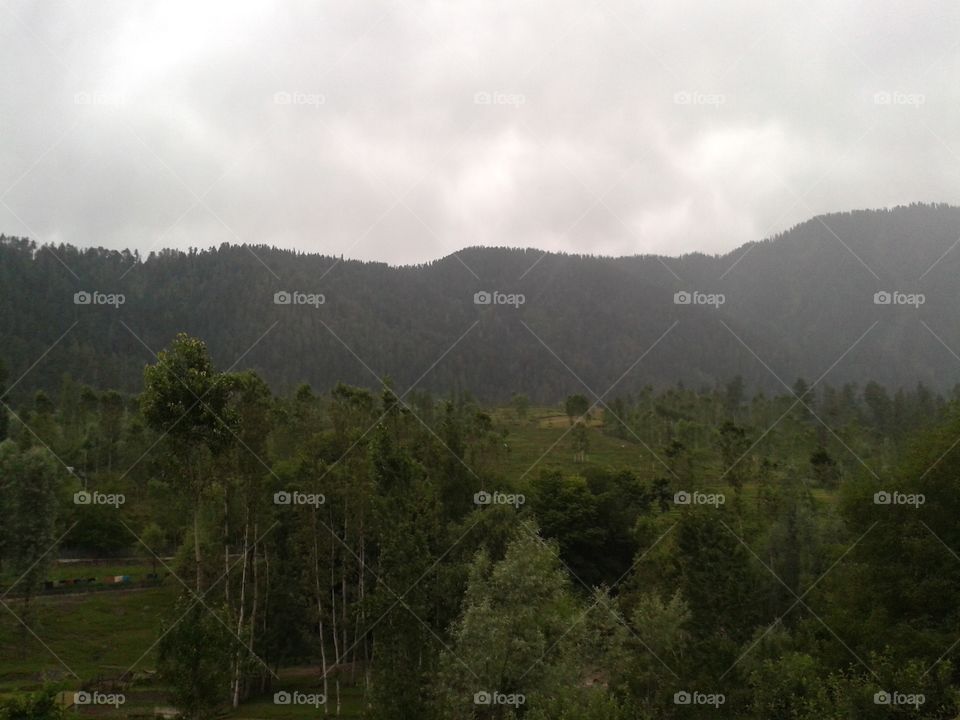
(804, 303)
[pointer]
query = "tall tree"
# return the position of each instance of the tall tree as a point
(521, 405)
(518, 632)
(29, 512)
(194, 659)
(407, 519)
(4, 417)
(733, 443)
(576, 406)
(186, 400)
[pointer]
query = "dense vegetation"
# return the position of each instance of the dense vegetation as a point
(678, 553)
(796, 303)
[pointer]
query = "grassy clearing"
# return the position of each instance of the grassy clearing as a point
(544, 442)
(93, 634)
(100, 635)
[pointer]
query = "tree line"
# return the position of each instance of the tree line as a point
(730, 571)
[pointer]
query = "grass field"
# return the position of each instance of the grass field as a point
(93, 634)
(100, 635)
(544, 442)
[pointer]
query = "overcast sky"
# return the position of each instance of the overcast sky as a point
(402, 130)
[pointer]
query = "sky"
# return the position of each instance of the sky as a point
(402, 131)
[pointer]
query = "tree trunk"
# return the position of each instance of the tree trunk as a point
(196, 542)
(226, 547)
(256, 591)
(333, 618)
(344, 624)
(362, 585)
(243, 588)
(323, 650)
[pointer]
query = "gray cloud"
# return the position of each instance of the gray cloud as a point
(402, 131)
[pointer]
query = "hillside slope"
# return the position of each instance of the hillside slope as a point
(796, 303)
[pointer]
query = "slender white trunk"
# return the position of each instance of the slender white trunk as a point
(333, 618)
(344, 624)
(243, 589)
(362, 587)
(319, 594)
(196, 541)
(226, 548)
(256, 590)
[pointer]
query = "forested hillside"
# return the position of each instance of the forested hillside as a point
(796, 303)
(212, 549)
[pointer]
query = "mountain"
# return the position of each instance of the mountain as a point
(799, 304)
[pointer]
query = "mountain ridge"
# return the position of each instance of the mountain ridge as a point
(794, 305)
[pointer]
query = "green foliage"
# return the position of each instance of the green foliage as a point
(38, 706)
(185, 397)
(29, 505)
(599, 597)
(573, 703)
(517, 630)
(576, 406)
(825, 470)
(4, 415)
(592, 520)
(187, 400)
(734, 444)
(407, 517)
(718, 580)
(98, 532)
(521, 405)
(152, 545)
(401, 319)
(194, 659)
